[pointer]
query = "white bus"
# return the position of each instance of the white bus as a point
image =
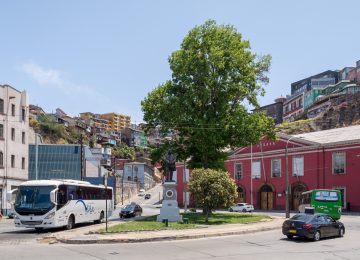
(43, 204)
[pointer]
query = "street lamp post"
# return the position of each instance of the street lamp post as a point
(288, 190)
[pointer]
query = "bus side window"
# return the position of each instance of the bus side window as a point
(71, 194)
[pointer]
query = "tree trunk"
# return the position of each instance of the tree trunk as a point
(206, 212)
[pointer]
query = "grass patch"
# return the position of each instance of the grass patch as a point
(195, 219)
(218, 218)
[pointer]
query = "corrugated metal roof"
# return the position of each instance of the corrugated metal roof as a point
(343, 134)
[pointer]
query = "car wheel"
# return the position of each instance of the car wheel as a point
(341, 232)
(71, 223)
(317, 236)
(231, 210)
(289, 236)
(244, 210)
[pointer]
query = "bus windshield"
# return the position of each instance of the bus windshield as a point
(326, 196)
(33, 200)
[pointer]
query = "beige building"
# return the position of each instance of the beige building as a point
(14, 146)
(116, 121)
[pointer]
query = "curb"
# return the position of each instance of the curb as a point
(155, 239)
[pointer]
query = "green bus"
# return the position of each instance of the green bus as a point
(322, 201)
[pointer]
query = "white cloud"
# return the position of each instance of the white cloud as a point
(54, 78)
(43, 76)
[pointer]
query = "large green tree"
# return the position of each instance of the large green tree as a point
(215, 79)
(212, 189)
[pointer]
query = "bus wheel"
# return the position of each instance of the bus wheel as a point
(71, 222)
(98, 221)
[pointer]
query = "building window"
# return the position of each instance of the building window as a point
(238, 171)
(12, 161)
(1, 106)
(12, 109)
(13, 134)
(23, 114)
(276, 167)
(1, 160)
(23, 137)
(23, 163)
(1, 131)
(256, 169)
(339, 163)
(298, 165)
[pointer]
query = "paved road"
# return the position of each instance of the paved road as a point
(269, 245)
(9, 234)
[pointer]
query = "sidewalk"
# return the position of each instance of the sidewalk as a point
(85, 235)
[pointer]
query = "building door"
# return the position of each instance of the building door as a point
(241, 195)
(296, 194)
(266, 198)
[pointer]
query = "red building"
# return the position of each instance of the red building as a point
(326, 159)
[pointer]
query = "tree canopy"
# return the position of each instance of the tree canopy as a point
(212, 189)
(204, 106)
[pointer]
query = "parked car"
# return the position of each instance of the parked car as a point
(312, 226)
(130, 210)
(242, 207)
(147, 196)
(141, 192)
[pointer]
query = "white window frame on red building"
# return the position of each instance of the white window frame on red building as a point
(334, 155)
(295, 168)
(272, 167)
(238, 176)
(257, 174)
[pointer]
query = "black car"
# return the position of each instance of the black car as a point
(312, 226)
(130, 210)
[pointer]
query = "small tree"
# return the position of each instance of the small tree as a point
(212, 189)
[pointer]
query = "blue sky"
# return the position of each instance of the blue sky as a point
(104, 56)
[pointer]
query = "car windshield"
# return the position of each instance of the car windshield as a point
(129, 207)
(33, 199)
(302, 217)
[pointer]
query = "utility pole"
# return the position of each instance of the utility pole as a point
(106, 201)
(114, 174)
(81, 158)
(36, 155)
(186, 181)
(287, 188)
(122, 188)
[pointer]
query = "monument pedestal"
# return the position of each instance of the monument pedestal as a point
(169, 209)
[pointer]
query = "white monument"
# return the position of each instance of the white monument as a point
(169, 209)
